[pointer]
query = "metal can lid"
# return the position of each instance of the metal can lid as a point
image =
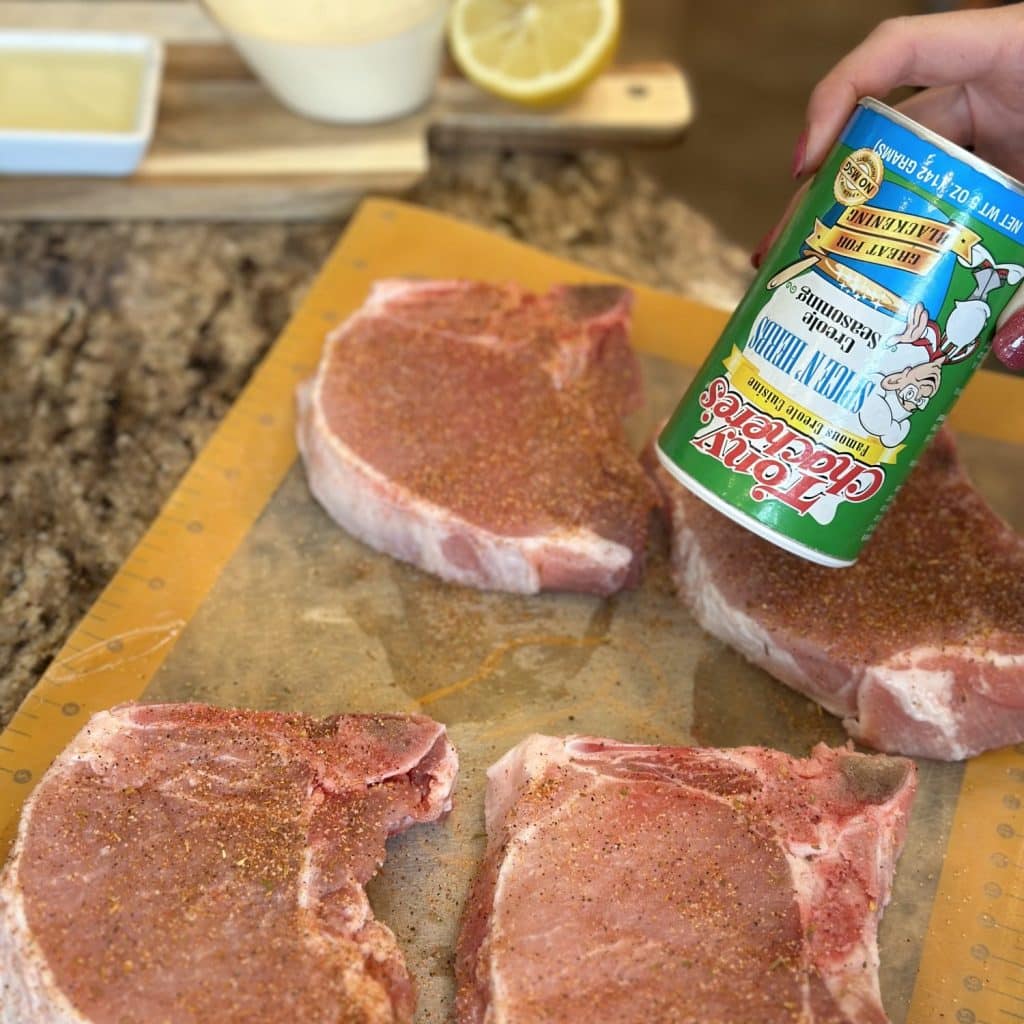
(965, 155)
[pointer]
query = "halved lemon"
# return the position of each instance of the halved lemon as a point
(538, 52)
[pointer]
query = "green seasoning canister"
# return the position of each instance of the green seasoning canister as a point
(871, 311)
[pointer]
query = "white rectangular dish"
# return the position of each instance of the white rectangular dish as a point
(77, 103)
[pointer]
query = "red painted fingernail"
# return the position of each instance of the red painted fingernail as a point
(799, 154)
(757, 256)
(1008, 344)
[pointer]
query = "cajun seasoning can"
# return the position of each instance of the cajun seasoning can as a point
(874, 306)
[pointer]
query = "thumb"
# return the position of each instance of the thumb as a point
(1008, 343)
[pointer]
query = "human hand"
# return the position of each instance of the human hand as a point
(1008, 344)
(970, 65)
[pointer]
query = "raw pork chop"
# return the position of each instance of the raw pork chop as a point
(475, 431)
(642, 884)
(919, 646)
(182, 863)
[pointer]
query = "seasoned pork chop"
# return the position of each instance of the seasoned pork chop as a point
(642, 884)
(474, 430)
(918, 647)
(182, 863)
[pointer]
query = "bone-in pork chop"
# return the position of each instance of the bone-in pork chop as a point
(919, 646)
(648, 885)
(475, 430)
(182, 863)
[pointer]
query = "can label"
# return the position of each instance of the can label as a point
(871, 311)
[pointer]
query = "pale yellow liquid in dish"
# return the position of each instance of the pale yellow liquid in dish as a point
(58, 91)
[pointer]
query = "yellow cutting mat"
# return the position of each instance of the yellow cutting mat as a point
(970, 968)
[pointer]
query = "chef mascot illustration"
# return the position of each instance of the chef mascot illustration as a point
(910, 365)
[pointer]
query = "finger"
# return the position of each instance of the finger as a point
(1008, 343)
(944, 110)
(757, 256)
(759, 253)
(928, 50)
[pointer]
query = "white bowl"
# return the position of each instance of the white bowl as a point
(342, 62)
(70, 150)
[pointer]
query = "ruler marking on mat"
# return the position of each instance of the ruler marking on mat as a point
(973, 946)
(158, 589)
(147, 605)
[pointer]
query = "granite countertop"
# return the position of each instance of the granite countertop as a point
(122, 345)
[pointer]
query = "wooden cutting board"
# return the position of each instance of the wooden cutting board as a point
(226, 149)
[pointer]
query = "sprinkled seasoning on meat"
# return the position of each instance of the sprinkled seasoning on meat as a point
(183, 863)
(919, 646)
(637, 884)
(475, 431)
